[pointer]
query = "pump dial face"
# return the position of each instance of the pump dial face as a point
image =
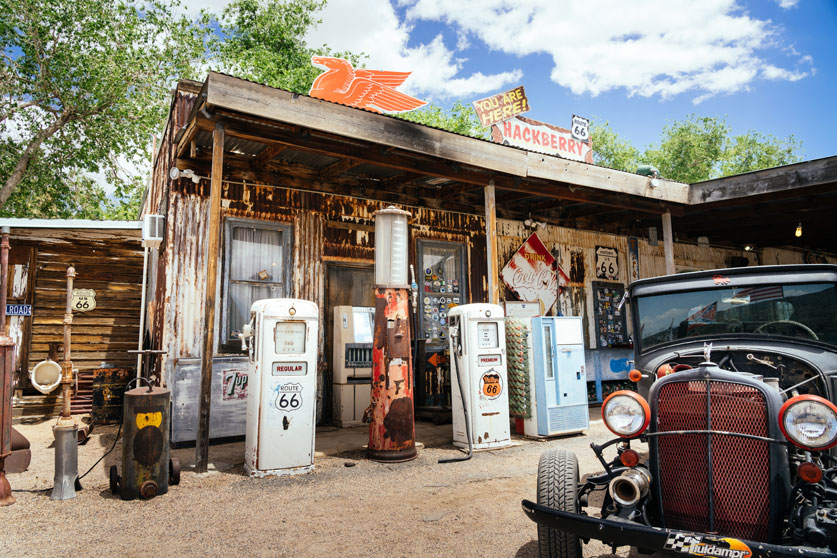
(289, 337)
(487, 336)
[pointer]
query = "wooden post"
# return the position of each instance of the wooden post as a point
(212, 255)
(491, 243)
(668, 243)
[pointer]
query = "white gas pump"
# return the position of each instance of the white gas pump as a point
(479, 348)
(282, 402)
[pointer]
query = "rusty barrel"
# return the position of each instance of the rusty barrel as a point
(145, 443)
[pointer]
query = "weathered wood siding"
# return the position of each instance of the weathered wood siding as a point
(100, 337)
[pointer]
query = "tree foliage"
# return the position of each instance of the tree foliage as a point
(460, 118)
(83, 85)
(263, 41)
(696, 149)
(609, 150)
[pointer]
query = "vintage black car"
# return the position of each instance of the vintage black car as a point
(737, 378)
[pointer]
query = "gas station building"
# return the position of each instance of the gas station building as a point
(298, 179)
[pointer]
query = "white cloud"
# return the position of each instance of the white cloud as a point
(373, 27)
(787, 4)
(646, 47)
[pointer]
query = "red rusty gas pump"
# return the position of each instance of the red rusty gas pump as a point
(392, 433)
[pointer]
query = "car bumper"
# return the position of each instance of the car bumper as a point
(655, 539)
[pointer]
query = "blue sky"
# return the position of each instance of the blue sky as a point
(763, 65)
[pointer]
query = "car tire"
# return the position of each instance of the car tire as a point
(557, 488)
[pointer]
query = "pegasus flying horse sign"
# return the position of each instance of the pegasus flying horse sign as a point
(367, 89)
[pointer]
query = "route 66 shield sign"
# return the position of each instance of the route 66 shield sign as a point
(580, 128)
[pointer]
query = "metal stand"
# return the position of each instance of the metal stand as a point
(66, 462)
(66, 429)
(7, 366)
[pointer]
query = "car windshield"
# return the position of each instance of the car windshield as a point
(802, 311)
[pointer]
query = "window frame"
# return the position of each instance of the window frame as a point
(226, 345)
(462, 247)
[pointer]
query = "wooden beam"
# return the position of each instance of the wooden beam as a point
(338, 168)
(668, 244)
(603, 179)
(269, 152)
(212, 253)
(187, 138)
(789, 178)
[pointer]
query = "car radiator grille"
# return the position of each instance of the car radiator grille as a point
(714, 482)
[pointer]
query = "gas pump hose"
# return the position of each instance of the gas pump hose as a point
(454, 362)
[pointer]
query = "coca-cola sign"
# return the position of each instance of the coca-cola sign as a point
(531, 273)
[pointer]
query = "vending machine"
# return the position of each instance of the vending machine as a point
(282, 402)
(478, 355)
(352, 363)
(557, 377)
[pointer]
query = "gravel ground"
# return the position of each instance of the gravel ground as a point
(348, 507)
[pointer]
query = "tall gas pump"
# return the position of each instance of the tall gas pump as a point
(282, 403)
(392, 431)
(478, 349)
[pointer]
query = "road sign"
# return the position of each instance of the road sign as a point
(18, 309)
(84, 300)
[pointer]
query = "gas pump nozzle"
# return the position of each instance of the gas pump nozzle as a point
(246, 333)
(414, 288)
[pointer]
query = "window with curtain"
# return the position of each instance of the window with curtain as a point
(256, 269)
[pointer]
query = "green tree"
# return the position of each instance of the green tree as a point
(83, 84)
(690, 150)
(264, 41)
(696, 149)
(609, 150)
(754, 151)
(460, 118)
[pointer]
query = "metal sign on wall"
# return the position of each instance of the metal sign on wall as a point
(633, 258)
(503, 106)
(531, 273)
(18, 309)
(543, 138)
(607, 263)
(84, 300)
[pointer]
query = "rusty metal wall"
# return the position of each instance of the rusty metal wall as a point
(326, 228)
(180, 310)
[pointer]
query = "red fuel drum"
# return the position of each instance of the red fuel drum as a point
(146, 468)
(392, 433)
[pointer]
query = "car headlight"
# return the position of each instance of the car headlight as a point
(626, 413)
(809, 421)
